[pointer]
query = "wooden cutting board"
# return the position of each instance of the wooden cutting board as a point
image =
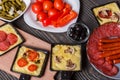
(7, 59)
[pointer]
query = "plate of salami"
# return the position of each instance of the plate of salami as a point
(31, 20)
(103, 49)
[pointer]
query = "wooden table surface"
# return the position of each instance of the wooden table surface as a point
(86, 16)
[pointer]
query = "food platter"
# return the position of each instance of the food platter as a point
(106, 30)
(30, 19)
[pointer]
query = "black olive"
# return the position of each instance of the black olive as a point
(71, 34)
(74, 37)
(78, 38)
(72, 30)
(79, 28)
(78, 33)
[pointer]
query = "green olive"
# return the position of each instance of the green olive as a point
(10, 7)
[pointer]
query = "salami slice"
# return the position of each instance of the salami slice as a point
(98, 62)
(107, 72)
(12, 38)
(107, 66)
(114, 70)
(3, 36)
(4, 45)
(111, 29)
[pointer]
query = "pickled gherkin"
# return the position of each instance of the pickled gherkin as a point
(9, 8)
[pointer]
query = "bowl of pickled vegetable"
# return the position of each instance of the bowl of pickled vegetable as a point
(78, 32)
(11, 10)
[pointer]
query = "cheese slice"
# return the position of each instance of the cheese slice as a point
(9, 29)
(111, 6)
(24, 69)
(64, 56)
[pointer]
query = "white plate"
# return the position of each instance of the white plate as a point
(27, 2)
(30, 19)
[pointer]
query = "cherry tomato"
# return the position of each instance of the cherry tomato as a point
(40, 0)
(59, 4)
(46, 22)
(52, 12)
(32, 67)
(22, 62)
(49, 20)
(47, 5)
(37, 7)
(41, 16)
(32, 55)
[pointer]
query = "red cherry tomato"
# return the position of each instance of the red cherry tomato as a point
(49, 20)
(22, 62)
(47, 5)
(52, 12)
(32, 55)
(41, 16)
(32, 67)
(59, 4)
(37, 7)
(46, 22)
(40, 0)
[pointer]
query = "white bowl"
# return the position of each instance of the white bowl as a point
(27, 2)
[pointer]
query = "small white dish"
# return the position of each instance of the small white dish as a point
(30, 19)
(27, 2)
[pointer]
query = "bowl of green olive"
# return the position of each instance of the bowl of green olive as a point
(11, 10)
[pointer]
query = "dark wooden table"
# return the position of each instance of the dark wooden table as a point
(85, 16)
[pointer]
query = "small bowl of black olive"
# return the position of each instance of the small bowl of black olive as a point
(78, 32)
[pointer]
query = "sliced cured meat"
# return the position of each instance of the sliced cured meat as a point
(98, 62)
(114, 70)
(3, 36)
(4, 45)
(107, 29)
(12, 38)
(94, 36)
(94, 56)
(107, 72)
(107, 66)
(110, 30)
(97, 34)
(111, 72)
(116, 31)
